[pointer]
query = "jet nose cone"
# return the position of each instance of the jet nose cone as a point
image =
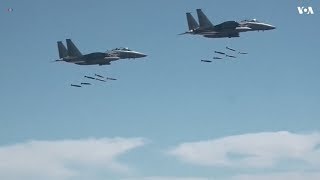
(143, 55)
(272, 27)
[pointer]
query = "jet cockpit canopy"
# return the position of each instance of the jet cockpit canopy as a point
(122, 49)
(248, 20)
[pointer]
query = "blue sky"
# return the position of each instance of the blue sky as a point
(164, 106)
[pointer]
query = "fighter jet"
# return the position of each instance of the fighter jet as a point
(226, 29)
(126, 53)
(207, 61)
(73, 55)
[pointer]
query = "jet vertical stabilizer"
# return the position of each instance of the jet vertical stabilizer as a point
(192, 23)
(62, 50)
(203, 20)
(72, 49)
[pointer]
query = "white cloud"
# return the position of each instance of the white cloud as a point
(64, 158)
(252, 150)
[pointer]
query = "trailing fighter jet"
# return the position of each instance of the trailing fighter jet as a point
(207, 61)
(126, 53)
(226, 29)
(73, 55)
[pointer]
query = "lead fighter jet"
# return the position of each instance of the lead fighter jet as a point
(226, 29)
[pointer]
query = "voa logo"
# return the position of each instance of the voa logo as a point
(305, 10)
